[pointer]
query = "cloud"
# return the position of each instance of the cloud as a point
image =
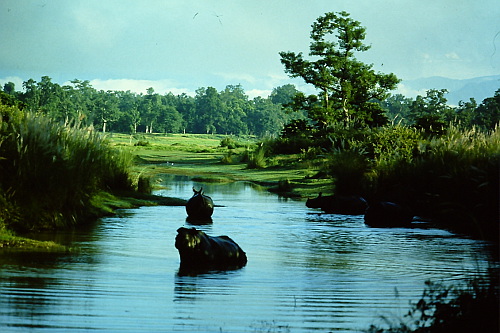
(452, 56)
(18, 82)
(409, 92)
(140, 86)
(258, 92)
(240, 77)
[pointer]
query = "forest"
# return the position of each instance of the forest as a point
(223, 112)
(229, 111)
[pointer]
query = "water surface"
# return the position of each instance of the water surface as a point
(306, 271)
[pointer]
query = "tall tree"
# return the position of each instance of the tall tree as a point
(284, 94)
(487, 114)
(398, 108)
(208, 110)
(236, 108)
(348, 86)
(106, 108)
(185, 104)
(430, 112)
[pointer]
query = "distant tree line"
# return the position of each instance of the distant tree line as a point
(432, 113)
(229, 111)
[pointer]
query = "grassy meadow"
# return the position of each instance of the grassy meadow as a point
(221, 158)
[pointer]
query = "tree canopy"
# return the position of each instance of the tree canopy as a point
(349, 88)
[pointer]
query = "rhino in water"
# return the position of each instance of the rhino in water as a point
(199, 206)
(199, 251)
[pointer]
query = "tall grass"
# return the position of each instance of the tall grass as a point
(442, 308)
(454, 179)
(51, 171)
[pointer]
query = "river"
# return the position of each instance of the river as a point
(306, 271)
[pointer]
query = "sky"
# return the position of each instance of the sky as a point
(179, 46)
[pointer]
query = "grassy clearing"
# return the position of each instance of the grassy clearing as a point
(202, 157)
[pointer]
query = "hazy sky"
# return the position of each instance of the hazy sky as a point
(181, 45)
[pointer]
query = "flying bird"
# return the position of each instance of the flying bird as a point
(218, 17)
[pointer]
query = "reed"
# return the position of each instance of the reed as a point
(453, 178)
(257, 158)
(469, 307)
(52, 171)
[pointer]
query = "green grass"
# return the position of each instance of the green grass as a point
(10, 241)
(202, 157)
(50, 172)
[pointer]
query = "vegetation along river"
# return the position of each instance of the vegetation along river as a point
(306, 271)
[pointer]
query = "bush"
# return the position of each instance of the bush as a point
(349, 168)
(257, 159)
(227, 158)
(53, 170)
(441, 309)
(453, 179)
(229, 143)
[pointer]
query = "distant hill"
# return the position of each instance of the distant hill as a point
(478, 87)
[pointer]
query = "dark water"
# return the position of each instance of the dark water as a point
(305, 272)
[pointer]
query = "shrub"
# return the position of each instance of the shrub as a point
(53, 170)
(144, 184)
(349, 167)
(228, 142)
(441, 309)
(257, 158)
(227, 158)
(453, 178)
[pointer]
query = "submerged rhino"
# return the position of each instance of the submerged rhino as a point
(199, 206)
(388, 214)
(339, 204)
(199, 251)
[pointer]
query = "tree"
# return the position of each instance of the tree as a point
(185, 104)
(349, 87)
(487, 115)
(236, 108)
(209, 109)
(9, 88)
(83, 101)
(398, 108)
(31, 96)
(429, 112)
(265, 118)
(463, 114)
(106, 108)
(284, 94)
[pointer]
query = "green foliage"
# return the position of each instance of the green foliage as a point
(227, 158)
(453, 178)
(229, 143)
(52, 171)
(442, 308)
(394, 143)
(144, 184)
(347, 85)
(257, 158)
(349, 167)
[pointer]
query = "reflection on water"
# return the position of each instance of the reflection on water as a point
(306, 271)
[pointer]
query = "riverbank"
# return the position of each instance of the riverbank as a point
(202, 157)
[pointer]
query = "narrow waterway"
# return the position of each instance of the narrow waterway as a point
(306, 271)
